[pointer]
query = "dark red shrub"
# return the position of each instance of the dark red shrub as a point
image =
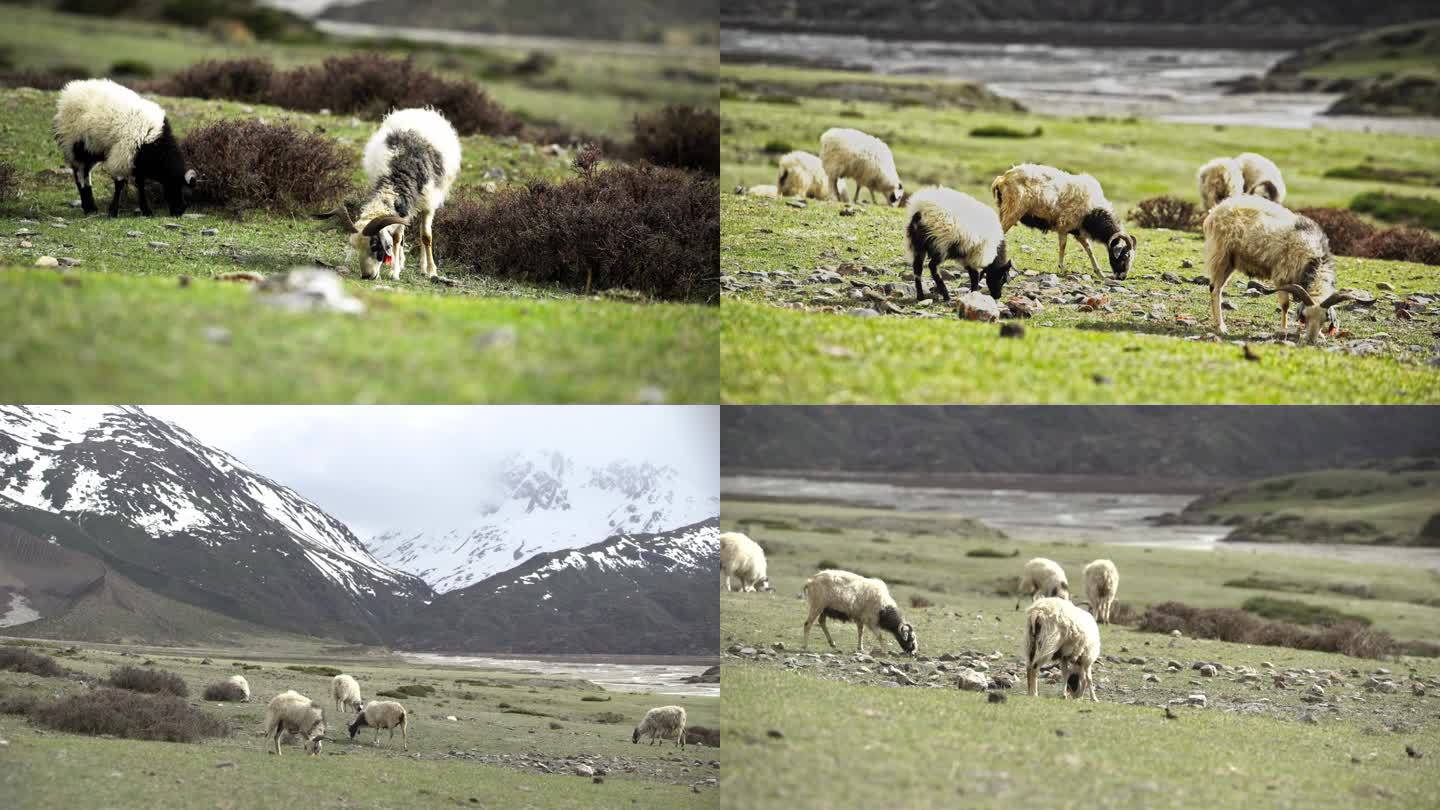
(31, 663)
(1345, 229)
(1166, 212)
(235, 79)
(1402, 244)
(681, 137)
(702, 735)
(153, 681)
(123, 713)
(245, 164)
(1241, 627)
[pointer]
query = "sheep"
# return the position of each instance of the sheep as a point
(1061, 632)
(864, 159)
(100, 122)
(292, 713)
(848, 597)
(1261, 177)
(1049, 199)
(1270, 243)
(1219, 180)
(1041, 578)
(346, 691)
(742, 559)
(1102, 582)
(412, 160)
(662, 722)
(382, 714)
(946, 224)
(802, 175)
(240, 683)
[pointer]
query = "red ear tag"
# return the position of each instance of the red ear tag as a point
(389, 259)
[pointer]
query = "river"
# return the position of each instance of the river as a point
(617, 677)
(1169, 84)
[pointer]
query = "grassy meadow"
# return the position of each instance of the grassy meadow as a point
(789, 334)
(509, 727)
(828, 727)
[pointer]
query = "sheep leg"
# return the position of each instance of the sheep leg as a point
(1085, 243)
(115, 201)
(919, 276)
(826, 628)
(399, 263)
(427, 245)
(1090, 683)
(1061, 264)
(82, 184)
(939, 282)
(1220, 266)
(859, 636)
(1284, 314)
(142, 196)
(974, 278)
(1031, 687)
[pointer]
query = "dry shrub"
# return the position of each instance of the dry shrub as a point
(31, 663)
(644, 228)
(1345, 229)
(52, 79)
(224, 691)
(1402, 244)
(17, 703)
(122, 713)
(246, 164)
(918, 601)
(235, 79)
(702, 735)
(152, 681)
(681, 137)
(9, 181)
(1124, 613)
(1166, 212)
(1239, 627)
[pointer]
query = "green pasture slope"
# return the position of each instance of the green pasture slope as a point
(504, 721)
(828, 729)
(788, 338)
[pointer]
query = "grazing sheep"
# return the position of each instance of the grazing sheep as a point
(347, 693)
(1102, 582)
(1049, 199)
(1268, 242)
(944, 224)
(100, 122)
(864, 159)
(848, 597)
(742, 559)
(1060, 632)
(381, 714)
(662, 722)
(292, 713)
(240, 683)
(1042, 577)
(412, 160)
(1261, 177)
(803, 175)
(1220, 179)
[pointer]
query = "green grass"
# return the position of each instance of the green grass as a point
(1403, 208)
(1405, 49)
(1297, 612)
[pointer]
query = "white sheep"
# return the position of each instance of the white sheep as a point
(848, 597)
(742, 560)
(99, 122)
(1049, 199)
(292, 713)
(383, 714)
(412, 160)
(1102, 583)
(662, 722)
(1220, 179)
(803, 175)
(1268, 242)
(1060, 632)
(1261, 177)
(346, 691)
(945, 224)
(239, 682)
(863, 159)
(1042, 577)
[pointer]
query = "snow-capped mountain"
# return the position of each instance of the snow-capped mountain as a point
(629, 594)
(541, 503)
(153, 503)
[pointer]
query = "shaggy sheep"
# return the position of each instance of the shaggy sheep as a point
(1220, 179)
(743, 560)
(100, 122)
(848, 597)
(292, 713)
(803, 175)
(411, 162)
(864, 159)
(1270, 243)
(1042, 577)
(662, 722)
(382, 714)
(1060, 632)
(1261, 177)
(240, 683)
(1102, 582)
(944, 224)
(346, 691)
(1049, 199)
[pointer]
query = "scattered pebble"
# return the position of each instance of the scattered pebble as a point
(159, 245)
(47, 261)
(775, 733)
(496, 338)
(218, 335)
(1012, 330)
(209, 231)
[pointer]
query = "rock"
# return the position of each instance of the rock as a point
(158, 245)
(496, 338)
(218, 335)
(26, 232)
(1186, 264)
(864, 312)
(796, 203)
(209, 231)
(26, 243)
(451, 718)
(69, 261)
(978, 306)
(1410, 751)
(225, 764)
(1012, 330)
(775, 734)
(848, 211)
(1152, 678)
(47, 261)
(1385, 285)
(997, 697)
(135, 234)
(1197, 700)
(971, 680)
(1207, 671)
(584, 770)
(308, 289)
(174, 226)
(598, 779)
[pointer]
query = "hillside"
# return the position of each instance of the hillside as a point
(637, 20)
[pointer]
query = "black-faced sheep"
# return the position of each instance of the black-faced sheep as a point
(1042, 577)
(346, 691)
(1261, 177)
(942, 224)
(292, 713)
(1048, 199)
(1220, 179)
(742, 561)
(848, 597)
(863, 159)
(662, 722)
(1102, 583)
(383, 714)
(1063, 633)
(802, 175)
(98, 122)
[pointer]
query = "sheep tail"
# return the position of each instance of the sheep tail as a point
(1034, 641)
(996, 188)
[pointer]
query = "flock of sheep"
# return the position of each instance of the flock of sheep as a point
(1057, 631)
(411, 162)
(1246, 227)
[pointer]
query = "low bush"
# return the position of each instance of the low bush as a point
(1124, 613)
(131, 69)
(18, 703)
(918, 601)
(1402, 244)
(992, 553)
(328, 672)
(124, 713)
(1002, 131)
(596, 698)
(248, 80)
(1290, 610)
(1241, 627)
(409, 690)
(31, 663)
(680, 137)
(245, 164)
(642, 228)
(777, 147)
(1404, 209)
(1345, 229)
(702, 735)
(52, 79)
(152, 681)
(523, 710)
(1386, 174)
(224, 691)
(610, 717)
(1166, 212)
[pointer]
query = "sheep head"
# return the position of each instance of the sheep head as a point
(1315, 315)
(1121, 252)
(906, 636)
(315, 737)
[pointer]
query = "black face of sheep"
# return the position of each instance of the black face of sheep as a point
(356, 724)
(635, 738)
(906, 637)
(764, 585)
(995, 277)
(161, 160)
(1072, 684)
(1121, 251)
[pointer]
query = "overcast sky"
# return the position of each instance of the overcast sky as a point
(388, 467)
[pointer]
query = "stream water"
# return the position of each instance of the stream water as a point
(659, 679)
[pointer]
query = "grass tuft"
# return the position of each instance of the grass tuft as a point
(1296, 612)
(328, 672)
(1401, 208)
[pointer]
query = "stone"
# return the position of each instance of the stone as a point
(69, 261)
(308, 289)
(209, 231)
(47, 261)
(971, 680)
(584, 770)
(1207, 671)
(978, 306)
(158, 245)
